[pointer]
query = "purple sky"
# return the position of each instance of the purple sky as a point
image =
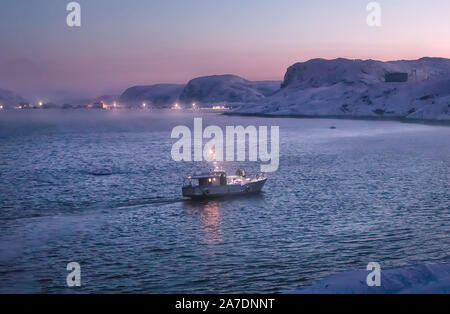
(123, 43)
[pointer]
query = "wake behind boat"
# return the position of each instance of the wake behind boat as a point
(217, 184)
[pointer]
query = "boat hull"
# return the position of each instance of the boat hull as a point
(223, 191)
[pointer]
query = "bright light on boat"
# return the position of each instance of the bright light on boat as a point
(220, 108)
(144, 104)
(40, 104)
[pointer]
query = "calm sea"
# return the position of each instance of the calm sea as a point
(100, 188)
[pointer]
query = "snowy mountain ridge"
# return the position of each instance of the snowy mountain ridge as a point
(206, 90)
(413, 89)
(341, 88)
(227, 88)
(157, 95)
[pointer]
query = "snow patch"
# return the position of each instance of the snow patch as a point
(432, 278)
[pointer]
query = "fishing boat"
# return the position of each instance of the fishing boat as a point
(217, 183)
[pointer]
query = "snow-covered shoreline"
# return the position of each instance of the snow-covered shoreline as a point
(331, 117)
(416, 279)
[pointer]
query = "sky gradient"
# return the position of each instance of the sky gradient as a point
(122, 43)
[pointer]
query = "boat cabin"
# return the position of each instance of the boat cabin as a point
(209, 179)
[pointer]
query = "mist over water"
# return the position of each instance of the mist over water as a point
(100, 188)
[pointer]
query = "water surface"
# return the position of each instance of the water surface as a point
(100, 188)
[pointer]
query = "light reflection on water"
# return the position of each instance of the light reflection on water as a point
(208, 213)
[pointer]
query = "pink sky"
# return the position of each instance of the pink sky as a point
(148, 42)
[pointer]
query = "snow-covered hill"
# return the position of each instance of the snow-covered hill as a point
(159, 95)
(226, 89)
(361, 88)
(433, 278)
(9, 99)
